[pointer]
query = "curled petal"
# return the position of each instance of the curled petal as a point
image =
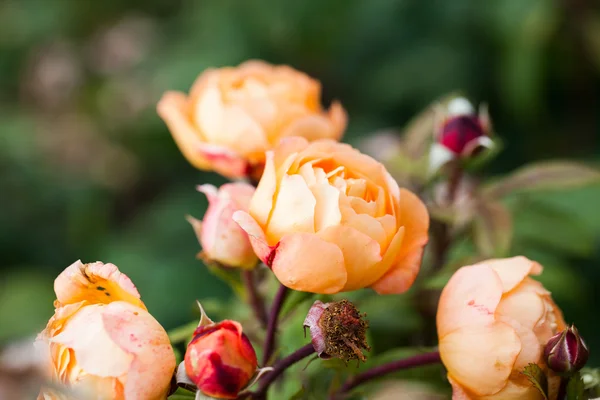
(512, 271)
(95, 283)
(256, 235)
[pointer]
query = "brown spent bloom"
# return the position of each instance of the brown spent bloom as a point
(338, 330)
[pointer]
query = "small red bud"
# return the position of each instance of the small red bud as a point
(220, 359)
(461, 132)
(566, 352)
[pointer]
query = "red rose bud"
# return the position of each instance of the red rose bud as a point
(337, 330)
(566, 352)
(460, 132)
(220, 359)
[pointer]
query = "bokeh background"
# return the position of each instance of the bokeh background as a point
(88, 170)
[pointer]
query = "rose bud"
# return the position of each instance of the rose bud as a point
(220, 359)
(221, 237)
(566, 352)
(460, 131)
(101, 342)
(234, 114)
(326, 219)
(492, 321)
(337, 330)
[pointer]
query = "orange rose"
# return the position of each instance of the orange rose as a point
(492, 321)
(234, 114)
(327, 219)
(101, 341)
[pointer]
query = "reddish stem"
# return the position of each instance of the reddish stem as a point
(272, 324)
(279, 368)
(377, 372)
(254, 298)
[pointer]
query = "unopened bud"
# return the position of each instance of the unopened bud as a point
(566, 352)
(337, 330)
(461, 132)
(220, 360)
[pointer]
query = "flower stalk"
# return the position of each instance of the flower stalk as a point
(385, 369)
(254, 298)
(278, 369)
(278, 301)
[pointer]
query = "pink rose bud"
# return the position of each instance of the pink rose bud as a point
(460, 132)
(220, 359)
(337, 330)
(101, 342)
(221, 237)
(566, 352)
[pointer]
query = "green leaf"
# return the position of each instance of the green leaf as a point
(548, 175)
(538, 378)
(182, 394)
(492, 229)
(544, 225)
(575, 388)
(299, 395)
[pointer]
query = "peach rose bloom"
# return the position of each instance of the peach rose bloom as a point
(221, 238)
(234, 114)
(492, 321)
(101, 342)
(328, 219)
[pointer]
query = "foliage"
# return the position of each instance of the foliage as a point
(88, 170)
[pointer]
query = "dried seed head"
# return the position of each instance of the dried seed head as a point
(338, 330)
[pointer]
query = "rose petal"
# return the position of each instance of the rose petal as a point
(173, 109)
(223, 160)
(327, 206)
(95, 283)
(413, 216)
(257, 237)
(308, 263)
(469, 299)
(361, 255)
(513, 270)
(136, 332)
(481, 358)
(96, 352)
(294, 209)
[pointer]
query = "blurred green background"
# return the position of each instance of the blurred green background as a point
(88, 171)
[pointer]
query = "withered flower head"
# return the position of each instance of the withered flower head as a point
(337, 330)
